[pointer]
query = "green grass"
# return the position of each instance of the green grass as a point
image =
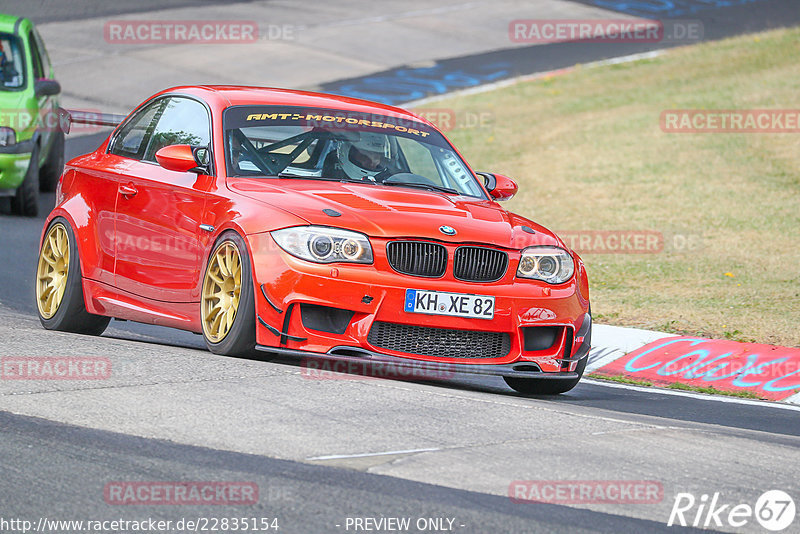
(621, 379)
(589, 154)
(713, 391)
(674, 385)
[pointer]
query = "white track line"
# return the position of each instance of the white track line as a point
(701, 396)
(368, 454)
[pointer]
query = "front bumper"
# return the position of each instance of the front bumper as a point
(375, 294)
(373, 364)
(14, 162)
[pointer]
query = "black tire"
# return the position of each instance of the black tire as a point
(53, 165)
(26, 200)
(545, 386)
(240, 339)
(71, 315)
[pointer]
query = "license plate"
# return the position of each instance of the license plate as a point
(453, 304)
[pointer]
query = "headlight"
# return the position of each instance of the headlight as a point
(8, 136)
(550, 264)
(321, 244)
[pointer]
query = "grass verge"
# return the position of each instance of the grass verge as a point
(675, 385)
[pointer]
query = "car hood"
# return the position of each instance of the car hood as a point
(396, 211)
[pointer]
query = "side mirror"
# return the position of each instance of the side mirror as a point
(500, 187)
(64, 120)
(46, 87)
(183, 158)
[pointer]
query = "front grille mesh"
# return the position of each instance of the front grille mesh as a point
(439, 342)
(418, 258)
(478, 264)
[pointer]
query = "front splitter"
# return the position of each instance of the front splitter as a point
(359, 358)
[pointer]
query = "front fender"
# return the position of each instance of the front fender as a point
(246, 217)
(88, 237)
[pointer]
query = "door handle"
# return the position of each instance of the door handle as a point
(128, 190)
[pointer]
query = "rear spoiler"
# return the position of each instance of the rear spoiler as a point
(68, 116)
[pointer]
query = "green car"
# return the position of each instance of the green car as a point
(31, 140)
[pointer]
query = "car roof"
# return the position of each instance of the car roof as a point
(237, 95)
(8, 23)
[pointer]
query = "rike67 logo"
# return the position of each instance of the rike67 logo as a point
(774, 510)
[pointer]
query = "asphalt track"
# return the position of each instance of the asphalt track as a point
(403, 84)
(304, 498)
(42, 11)
(741, 17)
(66, 466)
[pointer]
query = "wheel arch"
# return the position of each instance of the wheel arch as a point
(212, 243)
(248, 223)
(78, 220)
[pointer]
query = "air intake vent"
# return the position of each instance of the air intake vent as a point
(417, 258)
(478, 264)
(439, 342)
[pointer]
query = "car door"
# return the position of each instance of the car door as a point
(158, 211)
(98, 179)
(48, 105)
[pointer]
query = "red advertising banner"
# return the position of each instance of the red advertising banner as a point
(768, 371)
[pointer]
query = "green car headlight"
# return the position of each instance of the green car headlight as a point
(553, 265)
(8, 136)
(322, 244)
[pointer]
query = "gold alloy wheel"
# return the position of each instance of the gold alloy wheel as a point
(51, 274)
(222, 287)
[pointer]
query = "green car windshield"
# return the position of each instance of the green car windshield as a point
(12, 66)
(327, 144)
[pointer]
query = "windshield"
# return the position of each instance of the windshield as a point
(12, 67)
(326, 144)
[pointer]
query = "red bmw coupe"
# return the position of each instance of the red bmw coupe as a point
(311, 225)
